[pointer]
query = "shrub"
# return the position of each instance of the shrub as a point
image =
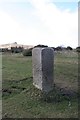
(4, 50)
(16, 49)
(27, 52)
(0, 50)
(53, 48)
(78, 49)
(41, 46)
(69, 48)
(59, 48)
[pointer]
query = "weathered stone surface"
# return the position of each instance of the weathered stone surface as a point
(42, 59)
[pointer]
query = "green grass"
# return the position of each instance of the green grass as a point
(22, 100)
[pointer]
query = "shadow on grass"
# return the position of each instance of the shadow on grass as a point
(25, 85)
(58, 95)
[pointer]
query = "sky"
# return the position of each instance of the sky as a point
(32, 22)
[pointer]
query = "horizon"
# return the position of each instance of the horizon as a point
(37, 44)
(39, 22)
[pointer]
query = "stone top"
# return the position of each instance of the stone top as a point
(43, 59)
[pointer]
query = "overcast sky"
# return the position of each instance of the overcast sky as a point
(32, 22)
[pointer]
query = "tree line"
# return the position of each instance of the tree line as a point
(28, 52)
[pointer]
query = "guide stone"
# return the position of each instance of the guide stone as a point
(43, 59)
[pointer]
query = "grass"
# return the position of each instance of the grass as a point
(22, 100)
